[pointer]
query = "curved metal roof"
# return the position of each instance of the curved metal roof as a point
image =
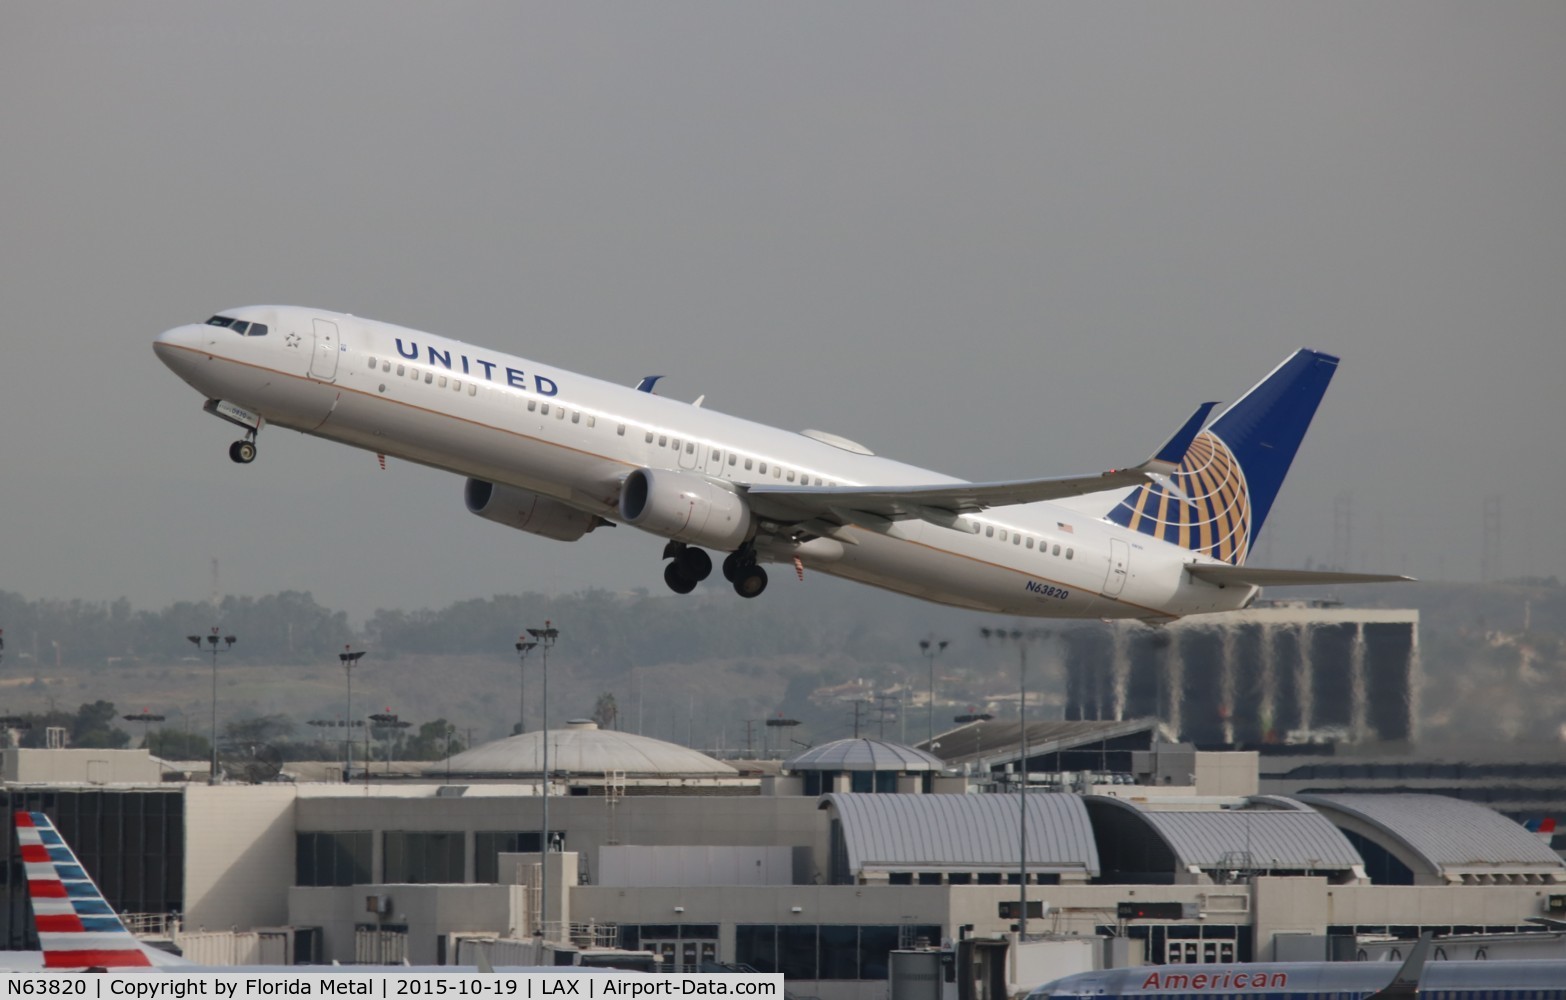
(863, 755)
(1289, 838)
(583, 748)
(963, 833)
(1448, 837)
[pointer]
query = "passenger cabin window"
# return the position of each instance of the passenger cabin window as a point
(791, 475)
(402, 370)
(372, 364)
(989, 531)
(690, 447)
(1070, 553)
(762, 470)
(1057, 549)
(576, 417)
(472, 388)
(559, 413)
(532, 406)
(747, 465)
(385, 366)
(442, 382)
(663, 440)
(1030, 542)
(544, 409)
(591, 420)
(620, 430)
(649, 437)
(429, 378)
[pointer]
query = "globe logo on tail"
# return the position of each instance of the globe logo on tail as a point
(1211, 516)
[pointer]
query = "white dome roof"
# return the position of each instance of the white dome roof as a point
(860, 754)
(583, 748)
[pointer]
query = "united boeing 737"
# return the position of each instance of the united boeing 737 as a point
(559, 454)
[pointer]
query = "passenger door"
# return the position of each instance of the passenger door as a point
(323, 363)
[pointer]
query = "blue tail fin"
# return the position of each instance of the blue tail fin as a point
(1231, 474)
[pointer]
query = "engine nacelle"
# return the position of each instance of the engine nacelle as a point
(685, 508)
(527, 511)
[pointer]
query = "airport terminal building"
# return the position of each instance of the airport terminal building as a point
(853, 852)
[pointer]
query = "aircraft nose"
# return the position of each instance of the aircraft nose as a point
(183, 348)
(170, 343)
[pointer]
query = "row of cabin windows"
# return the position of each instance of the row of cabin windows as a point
(429, 377)
(751, 464)
(560, 412)
(1018, 538)
(542, 409)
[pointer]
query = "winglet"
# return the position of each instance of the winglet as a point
(647, 383)
(1405, 985)
(1167, 458)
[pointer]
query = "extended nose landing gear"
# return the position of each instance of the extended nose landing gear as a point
(243, 451)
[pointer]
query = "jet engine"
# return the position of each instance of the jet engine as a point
(528, 511)
(685, 508)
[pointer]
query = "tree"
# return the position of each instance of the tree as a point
(435, 741)
(605, 712)
(175, 744)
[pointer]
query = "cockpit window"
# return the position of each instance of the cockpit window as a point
(239, 326)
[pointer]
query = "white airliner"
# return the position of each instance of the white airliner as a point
(1495, 980)
(560, 454)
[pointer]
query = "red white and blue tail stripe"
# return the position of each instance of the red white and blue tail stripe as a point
(77, 928)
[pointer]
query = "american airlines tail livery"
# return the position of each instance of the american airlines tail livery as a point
(559, 454)
(78, 930)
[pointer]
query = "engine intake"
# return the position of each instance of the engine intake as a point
(685, 508)
(527, 511)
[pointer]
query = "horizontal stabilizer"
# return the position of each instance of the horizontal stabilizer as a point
(1257, 576)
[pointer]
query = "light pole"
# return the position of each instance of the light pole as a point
(931, 648)
(212, 644)
(1022, 637)
(544, 637)
(524, 646)
(349, 658)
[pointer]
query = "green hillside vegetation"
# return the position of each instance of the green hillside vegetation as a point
(691, 670)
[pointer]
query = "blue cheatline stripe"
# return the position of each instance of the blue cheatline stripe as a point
(95, 905)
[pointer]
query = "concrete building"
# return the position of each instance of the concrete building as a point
(1290, 672)
(1189, 865)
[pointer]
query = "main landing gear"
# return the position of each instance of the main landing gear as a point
(688, 566)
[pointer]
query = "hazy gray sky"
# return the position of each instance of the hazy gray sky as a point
(997, 240)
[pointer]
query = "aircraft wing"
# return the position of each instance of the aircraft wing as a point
(944, 503)
(1257, 576)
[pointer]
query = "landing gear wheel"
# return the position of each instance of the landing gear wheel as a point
(678, 582)
(731, 566)
(242, 452)
(750, 581)
(693, 564)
